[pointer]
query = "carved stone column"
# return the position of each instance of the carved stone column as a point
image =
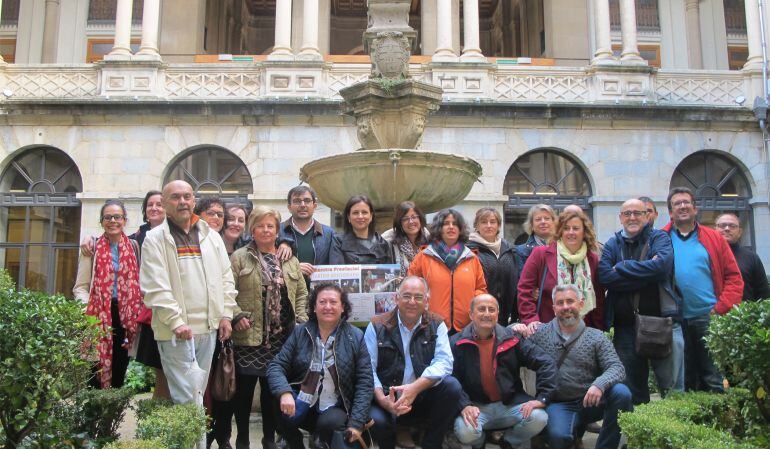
(444, 50)
(50, 31)
(282, 47)
(694, 42)
(121, 49)
(472, 48)
(630, 53)
(753, 35)
(603, 53)
(150, 20)
(309, 49)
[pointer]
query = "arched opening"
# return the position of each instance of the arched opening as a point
(213, 170)
(546, 176)
(41, 217)
(720, 186)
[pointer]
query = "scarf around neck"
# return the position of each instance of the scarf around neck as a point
(100, 298)
(272, 280)
(493, 246)
(574, 269)
(450, 255)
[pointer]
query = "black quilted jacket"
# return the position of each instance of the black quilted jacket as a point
(351, 359)
(502, 276)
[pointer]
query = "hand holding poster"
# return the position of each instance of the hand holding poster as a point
(371, 288)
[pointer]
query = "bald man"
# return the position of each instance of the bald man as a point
(188, 283)
(637, 269)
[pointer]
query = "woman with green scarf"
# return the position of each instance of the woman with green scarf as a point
(570, 259)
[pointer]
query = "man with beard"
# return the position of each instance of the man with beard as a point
(312, 239)
(589, 384)
(187, 281)
(706, 273)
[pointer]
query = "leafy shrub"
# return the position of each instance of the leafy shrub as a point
(41, 357)
(145, 407)
(739, 343)
(137, 444)
(178, 426)
(695, 420)
(102, 411)
(139, 378)
(6, 281)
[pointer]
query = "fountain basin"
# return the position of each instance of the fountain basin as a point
(388, 176)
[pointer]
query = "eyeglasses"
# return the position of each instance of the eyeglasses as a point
(682, 203)
(212, 213)
(635, 213)
(114, 217)
(301, 201)
(410, 218)
(649, 211)
(728, 226)
(409, 297)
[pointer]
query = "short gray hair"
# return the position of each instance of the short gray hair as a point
(564, 288)
(409, 278)
(473, 301)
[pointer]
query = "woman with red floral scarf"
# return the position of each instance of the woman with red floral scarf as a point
(109, 283)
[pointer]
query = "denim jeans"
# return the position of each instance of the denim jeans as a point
(669, 372)
(699, 370)
(435, 407)
(566, 419)
(179, 362)
(498, 416)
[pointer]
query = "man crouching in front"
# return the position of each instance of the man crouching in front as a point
(412, 365)
(487, 361)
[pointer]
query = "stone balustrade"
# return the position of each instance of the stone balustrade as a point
(269, 81)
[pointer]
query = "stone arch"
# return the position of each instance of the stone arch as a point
(211, 169)
(544, 175)
(40, 217)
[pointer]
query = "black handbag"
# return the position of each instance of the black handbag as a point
(654, 335)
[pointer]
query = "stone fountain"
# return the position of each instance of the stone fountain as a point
(391, 110)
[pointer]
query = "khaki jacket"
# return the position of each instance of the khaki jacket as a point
(161, 282)
(248, 282)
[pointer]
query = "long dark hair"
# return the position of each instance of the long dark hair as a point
(346, 307)
(355, 199)
(399, 236)
(147, 200)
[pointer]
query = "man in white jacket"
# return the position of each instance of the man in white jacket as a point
(188, 283)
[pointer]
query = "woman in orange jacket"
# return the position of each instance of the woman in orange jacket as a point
(453, 271)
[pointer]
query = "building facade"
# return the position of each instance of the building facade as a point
(561, 101)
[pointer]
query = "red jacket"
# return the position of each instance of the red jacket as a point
(728, 283)
(530, 282)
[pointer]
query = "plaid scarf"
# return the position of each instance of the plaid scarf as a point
(272, 280)
(450, 255)
(100, 298)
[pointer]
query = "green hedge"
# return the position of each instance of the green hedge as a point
(177, 427)
(695, 421)
(137, 444)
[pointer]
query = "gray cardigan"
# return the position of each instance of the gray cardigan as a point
(591, 361)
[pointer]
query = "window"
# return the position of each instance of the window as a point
(104, 11)
(647, 18)
(720, 186)
(98, 48)
(40, 218)
(213, 171)
(542, 176)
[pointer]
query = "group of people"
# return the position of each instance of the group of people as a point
(471, 311)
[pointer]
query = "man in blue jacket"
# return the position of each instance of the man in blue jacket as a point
(638, 262)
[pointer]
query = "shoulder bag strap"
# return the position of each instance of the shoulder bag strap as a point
(642, 256)
(540, 290)
(568, 347)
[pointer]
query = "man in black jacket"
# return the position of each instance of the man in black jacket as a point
(412, 364)
(755, 286)
(487, 358)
